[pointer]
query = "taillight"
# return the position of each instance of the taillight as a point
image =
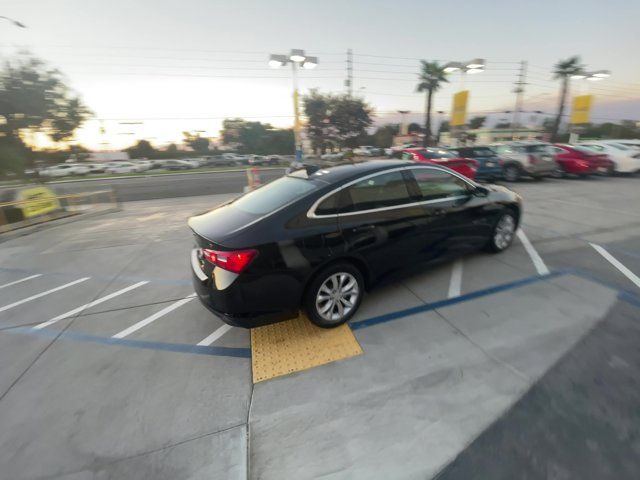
(234, 261)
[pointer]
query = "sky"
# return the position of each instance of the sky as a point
(155, 68)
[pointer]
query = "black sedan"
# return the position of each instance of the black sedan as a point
(319, 238)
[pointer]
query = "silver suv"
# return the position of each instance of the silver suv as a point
(534, 159)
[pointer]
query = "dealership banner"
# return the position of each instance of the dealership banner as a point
(581, 109)
(459, 110)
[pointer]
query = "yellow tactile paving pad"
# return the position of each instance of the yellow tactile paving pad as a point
(296, 345)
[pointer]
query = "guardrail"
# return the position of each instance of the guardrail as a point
(39, 209)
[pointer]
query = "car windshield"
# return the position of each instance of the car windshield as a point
(274, 195)
(483, 152)
(618, 146)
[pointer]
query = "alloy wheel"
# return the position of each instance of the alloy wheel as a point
(504, 232)
(337, 296)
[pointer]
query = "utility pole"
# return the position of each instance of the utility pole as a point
(519, 91)
(349, 81)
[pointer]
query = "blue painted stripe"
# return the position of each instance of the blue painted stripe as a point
(452, 301)
(124, 342)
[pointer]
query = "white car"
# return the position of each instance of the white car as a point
(64, 170)
(366, 151)
(122, 167)
(143, 165)
(625, 159)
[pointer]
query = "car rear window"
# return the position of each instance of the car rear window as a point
(431, 153)
(274, 195)
(483, 152)
(537, 149)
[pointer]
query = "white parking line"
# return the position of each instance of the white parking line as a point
(455, 283)
(214, 336)
(88, 305)
(33, 297)
(20, 281)
(541, 268)
(154, 317)
(614, 261)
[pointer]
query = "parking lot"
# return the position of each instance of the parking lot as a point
(109, 368)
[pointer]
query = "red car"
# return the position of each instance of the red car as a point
(437, 156)
(581, 161)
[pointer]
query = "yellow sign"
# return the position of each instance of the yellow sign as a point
(459, 114)
(581, 109)
(38, 201)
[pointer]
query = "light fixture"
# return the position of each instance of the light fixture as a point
(476, 63)
(452, 67)
(601, 74)
(310, 63)
(276, 61)
(595, 79)
(297, 55)
(577, 76)
(471, 71)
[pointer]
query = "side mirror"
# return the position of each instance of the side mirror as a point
(480, 191)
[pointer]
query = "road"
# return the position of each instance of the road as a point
(109, 369)
(154, 187)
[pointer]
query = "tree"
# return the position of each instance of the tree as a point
(414, 128)
(432, 76)
(196, 142)
(336, 120)
(256, 137)
(477, 122)
(563, 70)
(383, 136)
(142, 149)
(36, 99)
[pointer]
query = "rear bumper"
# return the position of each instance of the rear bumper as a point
(236, 302)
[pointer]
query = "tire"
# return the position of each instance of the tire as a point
(324, 286)
(511, 173)
(496, 244)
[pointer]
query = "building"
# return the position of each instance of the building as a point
(484, 136)
(100, 157)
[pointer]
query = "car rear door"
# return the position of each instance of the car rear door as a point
(380, 222)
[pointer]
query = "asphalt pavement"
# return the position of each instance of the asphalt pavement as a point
(517, 365)
(154, 186)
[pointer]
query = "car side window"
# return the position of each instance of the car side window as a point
(329, 206)
(407, 156)
(436, 184)
(384, 190)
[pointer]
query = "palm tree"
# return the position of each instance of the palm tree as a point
(563, 70)
(431, 76)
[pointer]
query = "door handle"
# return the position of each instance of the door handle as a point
(439, 211)
(363, 228)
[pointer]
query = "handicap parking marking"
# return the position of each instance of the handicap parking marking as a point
(143, 323)
(617, 264)
(42, 294)
(541, 267)
(26, 279)
(219, 332)
(88, 305)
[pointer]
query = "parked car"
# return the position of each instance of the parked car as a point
(64, 170)
(95, 167)
(235, 159)
(625, 159)
(489, 164)
(332, 156)
(631, 143)
(178, 165)
(122, 167)
(396, 151)
(581, 161)
(143, 165)
(351, 226)
(438, 156)
(534, 159)
(367, 151)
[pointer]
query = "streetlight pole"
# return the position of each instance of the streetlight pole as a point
(296, 58)
(403, 129)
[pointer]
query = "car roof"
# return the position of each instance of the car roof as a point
(347, 171)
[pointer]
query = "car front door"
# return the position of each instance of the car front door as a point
(380, 222)
(457, 219)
